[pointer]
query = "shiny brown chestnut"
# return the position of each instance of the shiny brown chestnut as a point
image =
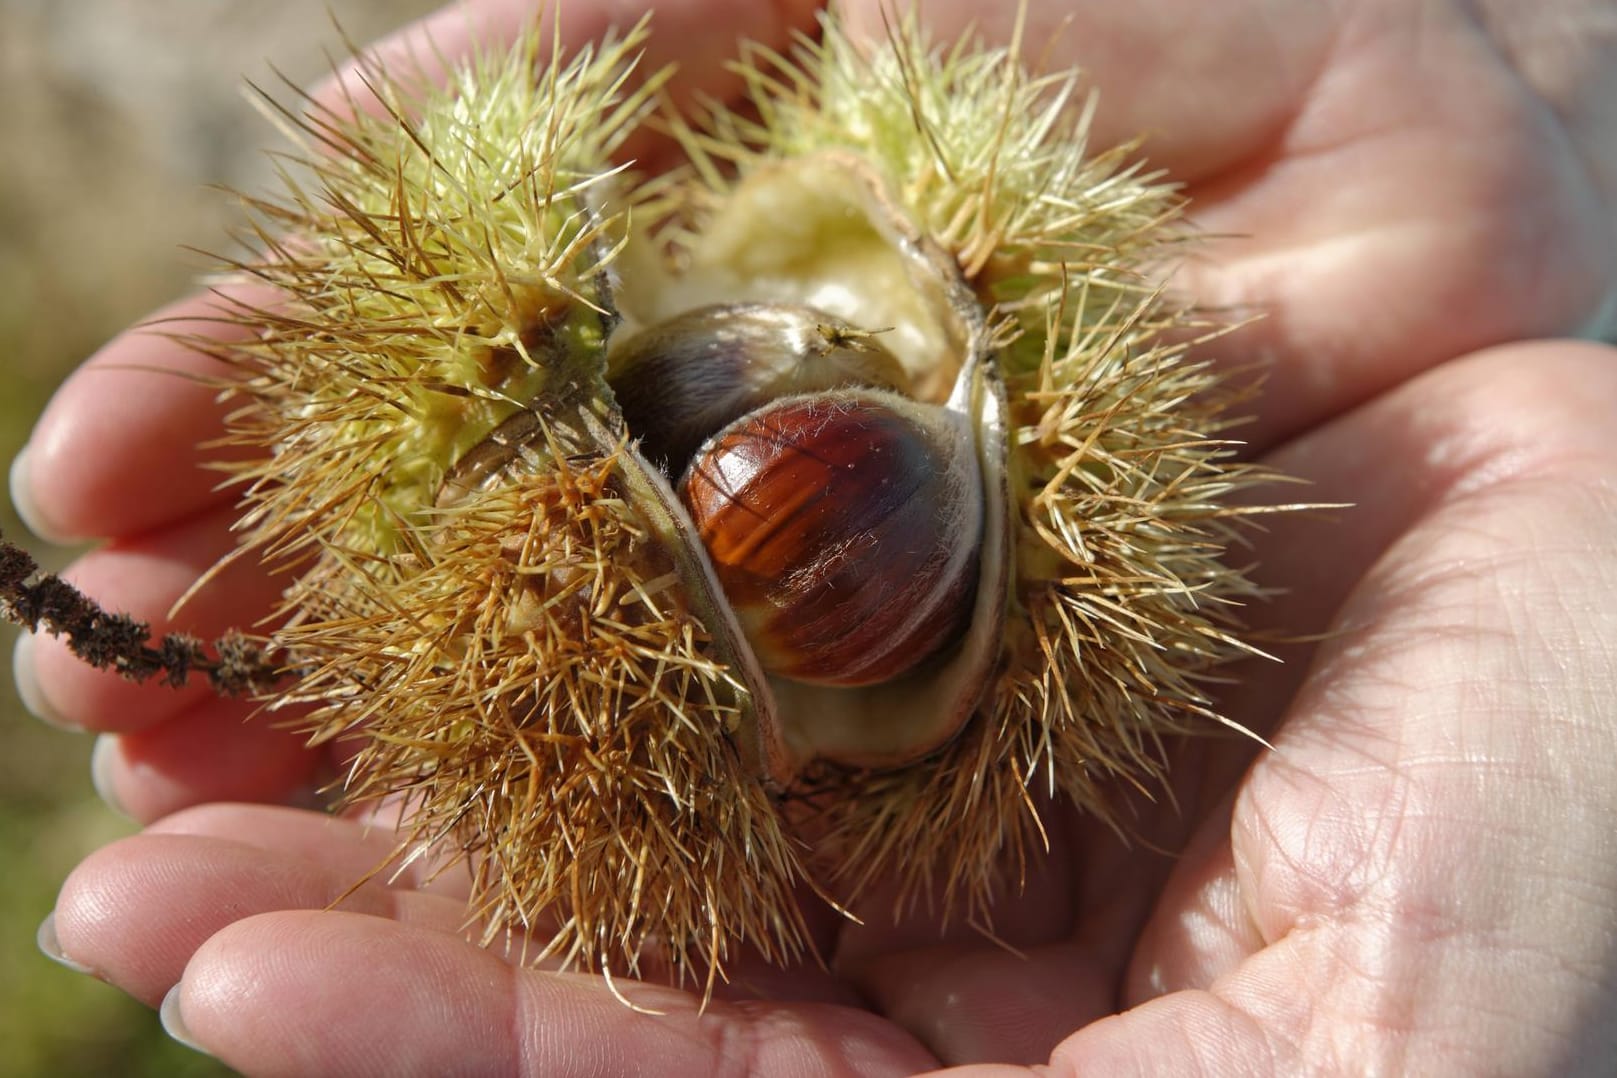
(679, 380)
(845, 530)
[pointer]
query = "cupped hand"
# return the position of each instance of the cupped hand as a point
(1415, 879)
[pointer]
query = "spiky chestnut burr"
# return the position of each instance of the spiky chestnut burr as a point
(504, 602)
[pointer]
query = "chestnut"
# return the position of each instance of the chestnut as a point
(844, 532)
(679, 380)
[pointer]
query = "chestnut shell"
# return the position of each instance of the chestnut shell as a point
(835, 535)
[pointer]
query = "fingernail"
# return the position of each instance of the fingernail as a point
(22, 499)
(28, 688)
(102, 759)
(51, 947)
(168, 1012)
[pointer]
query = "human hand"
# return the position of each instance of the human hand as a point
(1079, 923)
(1416, 880)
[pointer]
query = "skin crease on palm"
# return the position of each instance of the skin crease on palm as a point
(1419, 878)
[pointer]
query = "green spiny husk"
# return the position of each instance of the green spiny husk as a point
(520, 664)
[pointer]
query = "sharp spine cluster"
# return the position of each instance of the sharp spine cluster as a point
(527, 669)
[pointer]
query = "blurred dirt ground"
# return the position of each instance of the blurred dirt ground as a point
(117, 119)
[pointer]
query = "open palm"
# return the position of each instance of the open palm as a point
(1417, 877)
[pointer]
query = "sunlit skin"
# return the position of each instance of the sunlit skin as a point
(1418, 879)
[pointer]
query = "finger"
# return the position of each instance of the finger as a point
(1405, 461)
(134, 912)
(1185, 1033)
(1462, 708)
(218, 750)
(354, 848)
(1384, 189)
(368, 848)
(296, 993)
(362, 845)
(1060, 939)
(985, 1003)
(116, 451)
(1404, 457)
(1202, 926)
(683, 35)
(1261, 56)
(1379, 240)
(1037, 909)
(1410, 841)
(145, 577)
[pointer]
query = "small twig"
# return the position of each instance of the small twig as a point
(237, 665)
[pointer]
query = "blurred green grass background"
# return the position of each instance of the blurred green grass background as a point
(117, 118)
